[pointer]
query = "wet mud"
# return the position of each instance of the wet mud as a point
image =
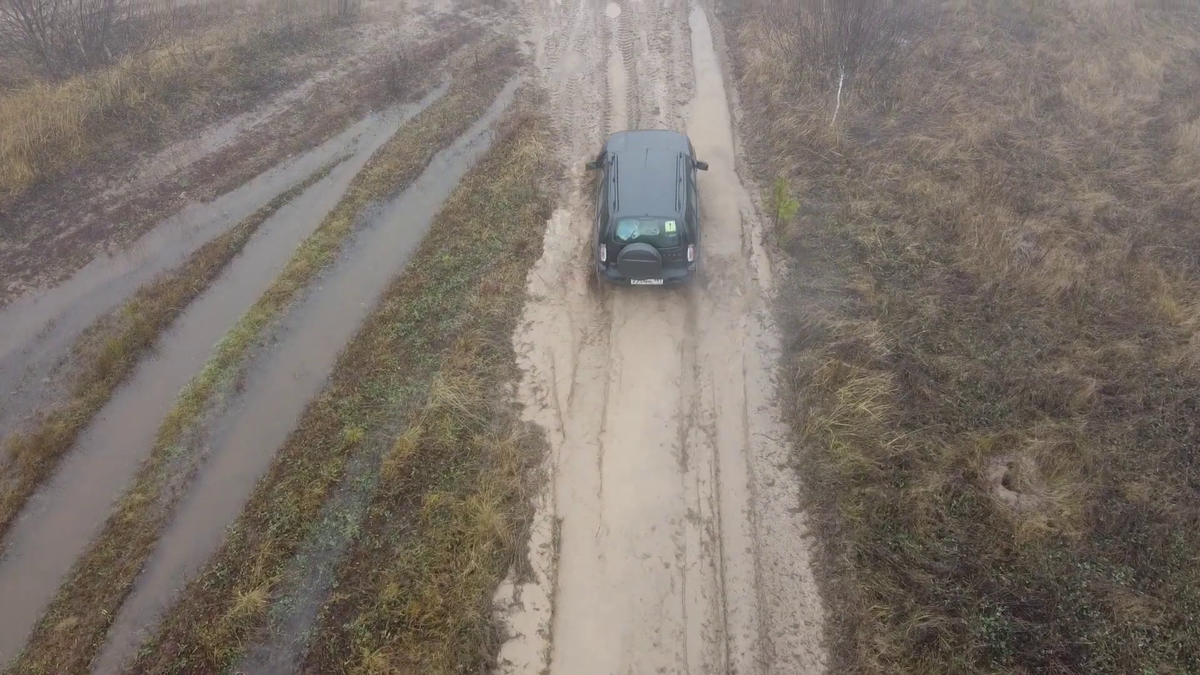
(667, 539)
(62, 517)
(283, 378)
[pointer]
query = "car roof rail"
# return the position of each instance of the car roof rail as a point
(680, 170)
(616, 201)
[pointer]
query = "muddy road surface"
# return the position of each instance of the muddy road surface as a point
(669, 538)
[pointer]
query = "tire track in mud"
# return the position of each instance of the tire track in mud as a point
(62, 517)
(625, 50)
(282, 380)
(579, 93)
(663, 543)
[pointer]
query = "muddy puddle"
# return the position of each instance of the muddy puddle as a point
(38, 329)
(281, 381)
(64, 515)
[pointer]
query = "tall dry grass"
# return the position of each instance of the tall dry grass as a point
(993, 356)
(207, 56)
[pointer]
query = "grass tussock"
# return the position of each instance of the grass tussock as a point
(450, 511)
(104, 575)
(107, 353)
(382, 374)
(992, 335)
(49, 126)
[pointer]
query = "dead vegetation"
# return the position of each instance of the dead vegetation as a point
(129, 70)
(993, 329)
(52, 236)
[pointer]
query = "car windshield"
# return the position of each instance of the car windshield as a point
(657, 232)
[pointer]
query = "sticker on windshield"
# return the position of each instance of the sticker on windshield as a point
(669, 226)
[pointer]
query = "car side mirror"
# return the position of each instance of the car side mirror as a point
(593, 165)
(703, 166)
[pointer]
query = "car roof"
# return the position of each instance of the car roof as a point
(647, 168)
(648, 139)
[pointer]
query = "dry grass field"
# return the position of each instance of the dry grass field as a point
(193, 62)
(993, 325)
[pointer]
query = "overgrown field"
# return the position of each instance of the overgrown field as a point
(421, 387)
(192, 69)
(99, 582)
(992, 327)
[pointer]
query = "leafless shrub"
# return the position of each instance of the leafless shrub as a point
(64, 37)
(834, 45)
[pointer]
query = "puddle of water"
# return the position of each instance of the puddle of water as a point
(37, 330)
(63, 517)
(284, 379)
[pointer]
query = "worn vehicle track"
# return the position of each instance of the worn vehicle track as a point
(667, 540)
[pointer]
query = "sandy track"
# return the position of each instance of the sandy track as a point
(668, 539)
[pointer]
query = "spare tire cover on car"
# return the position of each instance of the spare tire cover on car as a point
(640, 261)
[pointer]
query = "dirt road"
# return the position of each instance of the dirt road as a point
(669, 538)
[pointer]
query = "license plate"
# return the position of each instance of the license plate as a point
(645, 282)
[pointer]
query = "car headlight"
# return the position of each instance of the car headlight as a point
(691, 253)
(604, 253)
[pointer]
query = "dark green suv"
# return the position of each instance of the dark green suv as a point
(647, 230)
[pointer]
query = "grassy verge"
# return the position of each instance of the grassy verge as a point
(77, 620)
(992, 361)
(454, 305)
(450, 511)
(108, 352)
